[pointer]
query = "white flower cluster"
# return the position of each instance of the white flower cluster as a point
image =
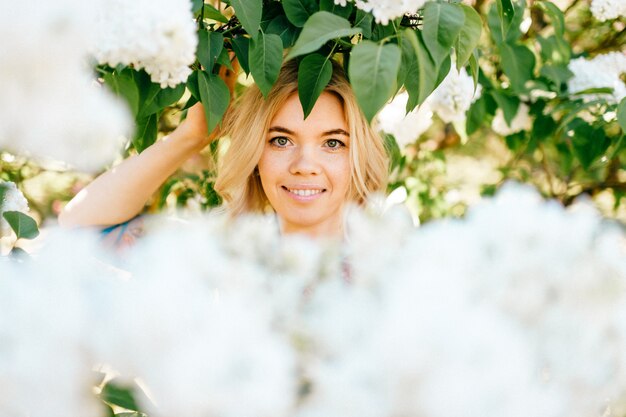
(520, 122)
(11, 199)
(405, 127)
(602, 71)
(51, 108)
(386, 10)
(450, 101)
(517, 310)
(158, 36)
(454, 96)
(607, 9)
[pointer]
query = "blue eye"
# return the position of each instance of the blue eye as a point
(280, 141)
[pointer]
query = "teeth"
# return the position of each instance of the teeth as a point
(305, 193)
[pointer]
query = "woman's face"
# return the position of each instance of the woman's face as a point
(305, 166)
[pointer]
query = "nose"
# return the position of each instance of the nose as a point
(305, 161)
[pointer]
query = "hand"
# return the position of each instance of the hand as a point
(193, 129)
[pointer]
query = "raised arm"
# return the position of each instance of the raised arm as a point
(121, 193)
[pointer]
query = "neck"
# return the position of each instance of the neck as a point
(330, 229)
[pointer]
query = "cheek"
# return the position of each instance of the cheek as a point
(269, 169)
(341, 173)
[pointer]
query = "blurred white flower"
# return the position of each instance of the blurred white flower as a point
(602, 71)
(454, 96)
(518, 309)
(158, 36)
(387, 10)
(44, 62)
(406, 128)
(520, 122)
(11, 199)
(51, 314)
(607, 9)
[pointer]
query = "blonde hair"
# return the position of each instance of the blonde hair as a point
(247, 124)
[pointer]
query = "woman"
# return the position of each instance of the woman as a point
(306, 170)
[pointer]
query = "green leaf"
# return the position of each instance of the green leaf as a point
(146, 132)
(422, 78)
(474, 68)
(506, 12)
(271, 10)
(265, 55)
(408, 63)
(249, 14)
(210, 45)
(444, 70)
(314, 73)
(543, 127)
(196, 5)
(119, 395)
(507, 103)
(224, 60)
(282, 27)
(556, 16)
(373, 72)
(3, 191)
(555, 50)
(621, 115)
(211, 12)
(497, 26)
(192, 85)
(588, 143)
(476, 115)
(241, 46)
(299, 11)
(364, 21)
(518, 63)
(147, 90)
(380, 32)
(215, 97)
(165, 97)
(442, 24)
(468, 36)
(330, 6)
(319, 29)
(558, 74)
(124, 86)
(23, 225)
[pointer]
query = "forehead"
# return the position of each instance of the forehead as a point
(327, 114)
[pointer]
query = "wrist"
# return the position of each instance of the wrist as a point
(188, 139)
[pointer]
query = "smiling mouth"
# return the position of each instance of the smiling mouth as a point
(305, 192)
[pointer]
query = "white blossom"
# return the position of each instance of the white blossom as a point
(52, 311)
(406, 128)
(602, 71)
(454, 96)
(386, 10)
(11, 199)
(158, 36)
(607, 9)
(51, 109)
(520, 122)
(518, 309)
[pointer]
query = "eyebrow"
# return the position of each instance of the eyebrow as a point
(291, 132)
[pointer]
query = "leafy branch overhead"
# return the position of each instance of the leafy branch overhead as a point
(263, 34)
(530, 87)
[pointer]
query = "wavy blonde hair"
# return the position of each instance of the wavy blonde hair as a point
(247, 124)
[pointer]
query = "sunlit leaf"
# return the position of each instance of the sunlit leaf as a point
(23, 225)
(373, 72)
